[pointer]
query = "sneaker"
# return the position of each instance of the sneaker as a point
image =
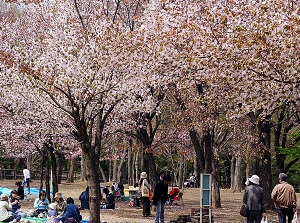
(15, 220)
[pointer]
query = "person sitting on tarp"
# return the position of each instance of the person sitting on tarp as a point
(84, 199)
(16, 205)
(5, 208)
(60, 202)
(52, 212)
(70, 213)
(41, 203)
(20, 190)
(110, 199)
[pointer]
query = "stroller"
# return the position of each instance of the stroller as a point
(118, 191)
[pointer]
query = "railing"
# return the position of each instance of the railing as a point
(11, 174)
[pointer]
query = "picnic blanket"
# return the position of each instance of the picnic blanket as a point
(41, 220)
(33, 191)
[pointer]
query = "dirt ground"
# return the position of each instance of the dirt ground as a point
(229, 212)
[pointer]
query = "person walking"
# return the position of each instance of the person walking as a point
(26, 174)
(145, 189)
(285, 199)
(253, 197)
(160, 197)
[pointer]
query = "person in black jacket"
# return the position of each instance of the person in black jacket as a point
(110, 200)
(20, 190)
(160, 197)
(254, 199)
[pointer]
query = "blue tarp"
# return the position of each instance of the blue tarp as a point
(33, 191)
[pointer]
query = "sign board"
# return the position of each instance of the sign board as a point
(205, 194)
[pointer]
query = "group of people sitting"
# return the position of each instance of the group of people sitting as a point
(109, 203)
(60, 210)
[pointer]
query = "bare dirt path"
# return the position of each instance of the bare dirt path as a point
(228, 213)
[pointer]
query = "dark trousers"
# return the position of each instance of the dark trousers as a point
(254, 216)
(285, 212)
(146, 206)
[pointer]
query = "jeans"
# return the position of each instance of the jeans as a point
(160, 212)
(254, 216)
(285, 212)
(28, 184)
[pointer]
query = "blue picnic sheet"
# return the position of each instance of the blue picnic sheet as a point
(33, 191)
(43, 220)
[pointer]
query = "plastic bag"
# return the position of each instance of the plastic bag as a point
(264, 219)
(295, 218)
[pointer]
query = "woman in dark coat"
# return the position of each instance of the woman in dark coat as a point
(254, 199)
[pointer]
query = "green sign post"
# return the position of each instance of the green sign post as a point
(205, 195)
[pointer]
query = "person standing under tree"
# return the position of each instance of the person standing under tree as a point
(253, 197)
(285, 199)
(160, 198)
(26, 178)
(145, 188)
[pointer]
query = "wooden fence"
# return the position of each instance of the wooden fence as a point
(11, 174)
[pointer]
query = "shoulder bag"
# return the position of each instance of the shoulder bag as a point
(244, 211)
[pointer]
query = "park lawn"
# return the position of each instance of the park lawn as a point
(229, 212)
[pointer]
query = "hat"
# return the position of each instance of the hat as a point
(58, 195)
(143, 175)
(52, 206)
(254, 179)
(3, 197)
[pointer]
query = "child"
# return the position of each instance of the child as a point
(52, 212)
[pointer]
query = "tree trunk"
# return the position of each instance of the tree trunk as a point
(216, 183)
(42, 171)
(71, 173)
(277, 133)
(136, 164)
(238, 177)
(59, 166)
(196, 171)
(129, 164)
(181, 170)
(92, 177)
(119, 169)
(208, 150)
(103, 174)
(150, 167)
(232, 172)
(83, 170)
(53, 168)
(265, 139)
(115, 170)
(47, 178)
(198, 149)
